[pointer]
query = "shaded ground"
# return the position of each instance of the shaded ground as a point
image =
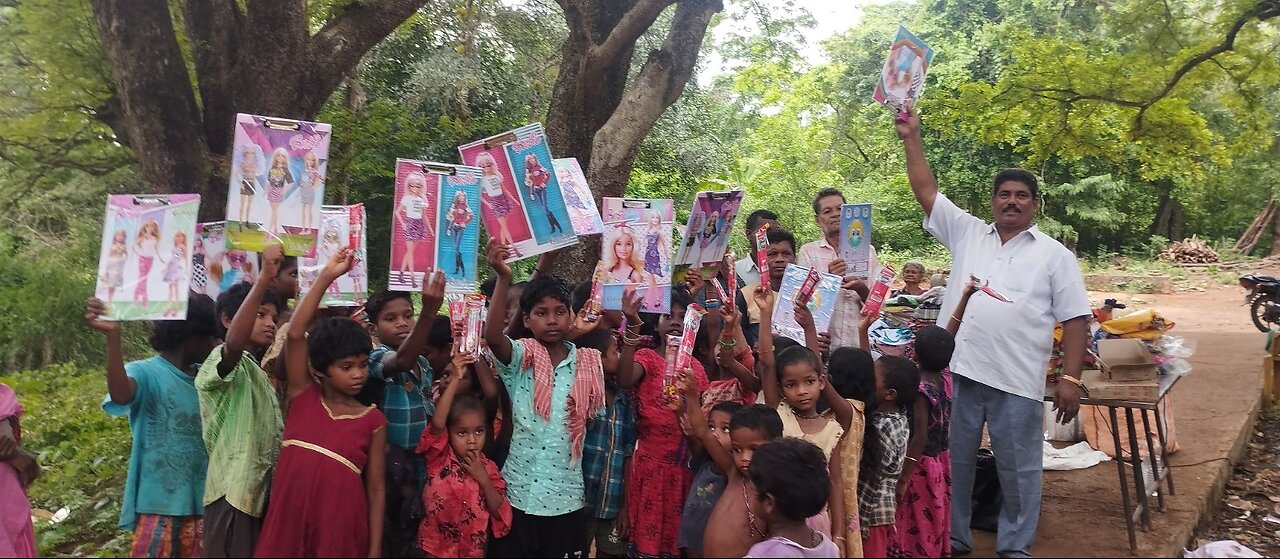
(1214, 410)
(1250, 514)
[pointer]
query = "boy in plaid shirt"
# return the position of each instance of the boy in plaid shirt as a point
(607, 449)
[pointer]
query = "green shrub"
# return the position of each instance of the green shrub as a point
(84, 456)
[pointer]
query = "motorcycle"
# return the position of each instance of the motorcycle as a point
(1263, 298)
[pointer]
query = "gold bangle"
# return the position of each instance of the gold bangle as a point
(1072, 380)
(956, 318)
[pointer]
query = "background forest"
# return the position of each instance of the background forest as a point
(1147, 120)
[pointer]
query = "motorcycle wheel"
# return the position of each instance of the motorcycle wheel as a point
(1258, 309)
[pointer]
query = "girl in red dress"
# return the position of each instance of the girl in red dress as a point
(660, 475)
(328, 494)
(465, 494)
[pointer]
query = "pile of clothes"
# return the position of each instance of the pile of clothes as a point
(900, 318)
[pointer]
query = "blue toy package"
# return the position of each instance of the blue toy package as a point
(855, 239)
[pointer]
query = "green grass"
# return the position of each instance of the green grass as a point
(84, 455)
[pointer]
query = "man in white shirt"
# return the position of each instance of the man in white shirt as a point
(746, 268)
(1002, 349)
(824, 254)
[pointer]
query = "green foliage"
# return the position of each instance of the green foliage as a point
(83, 455)
(51, 235)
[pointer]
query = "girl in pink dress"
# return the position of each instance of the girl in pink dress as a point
(17, 470)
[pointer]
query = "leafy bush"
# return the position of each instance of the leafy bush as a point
(84, 456)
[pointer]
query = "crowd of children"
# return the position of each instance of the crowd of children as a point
(260, 430)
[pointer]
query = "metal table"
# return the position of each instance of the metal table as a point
(1139, 509)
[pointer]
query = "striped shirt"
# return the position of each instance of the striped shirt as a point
(242, 430)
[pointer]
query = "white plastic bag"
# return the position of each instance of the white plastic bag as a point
(1222, 548)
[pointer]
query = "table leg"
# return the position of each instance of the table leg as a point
(1124, 485)
(1164, 447)
(1157, 460)
(1139, 483)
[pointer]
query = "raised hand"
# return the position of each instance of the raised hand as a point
(838, 267)
(496, 254)
(631, 302)
(729, 318)
(764, 298)
(693, 279)
(272, 256)
(340, 263)
(432, 293)
(462, 360)
(804, 317)
(907, 122)
(95, 308)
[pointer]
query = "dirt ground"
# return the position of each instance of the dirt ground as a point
(1250, 514)
(1214, 411)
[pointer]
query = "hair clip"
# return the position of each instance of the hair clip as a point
(499, 140)
(439, 169)
(281, 124)
(151, 200)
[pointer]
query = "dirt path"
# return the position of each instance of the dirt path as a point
(1082, 510)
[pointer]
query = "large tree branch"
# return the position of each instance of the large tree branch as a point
(340, 45)
(659, 83)
(622, 38)
(1068, 95)
(214, 28)
(1262, 11)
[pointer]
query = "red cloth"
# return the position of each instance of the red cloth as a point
(660, 475)
(586, 398)
(457, 521)
(318, 504)
(876, 544)
(730, 389)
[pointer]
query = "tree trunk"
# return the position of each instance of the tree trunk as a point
(159, 117)
(595, 115)
(1169, 219)
(260, 58)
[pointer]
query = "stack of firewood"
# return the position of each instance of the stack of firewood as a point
(1190, 251)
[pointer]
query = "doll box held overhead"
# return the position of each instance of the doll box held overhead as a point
(636, 252)
(340, 227)
(278, 169)
(522, 200)
(706, 236)
(434, 225)
(145, 264)
(821, 302)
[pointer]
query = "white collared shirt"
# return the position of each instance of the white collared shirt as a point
(746, 270)
(845, 317)
(1006, 345)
